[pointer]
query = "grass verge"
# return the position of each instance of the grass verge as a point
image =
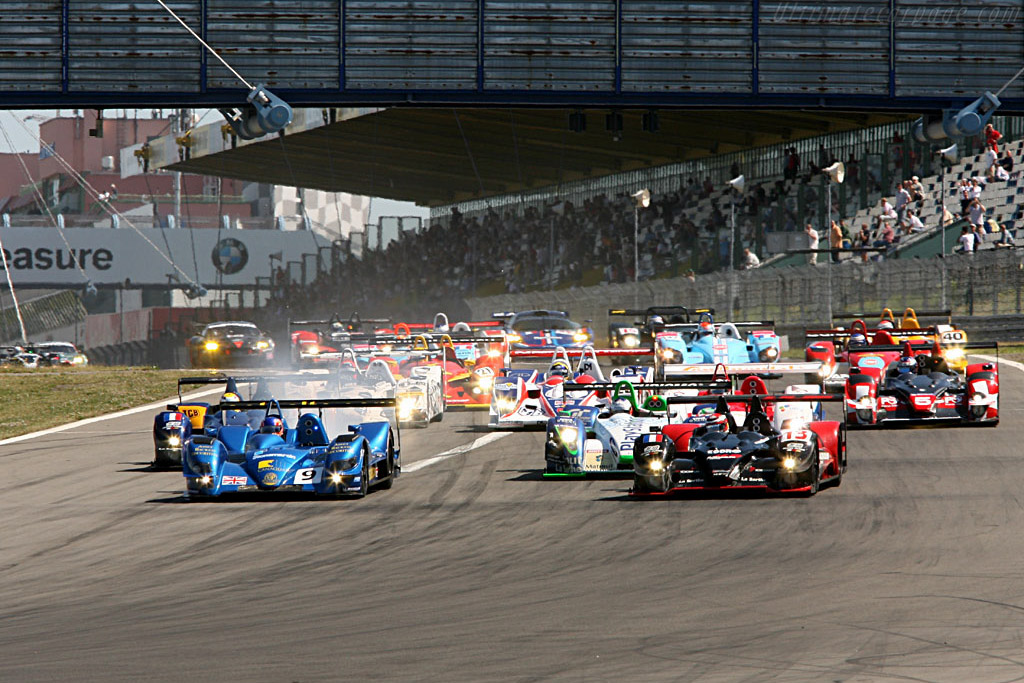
(31, 400)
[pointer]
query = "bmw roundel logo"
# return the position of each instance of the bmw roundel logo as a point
(230, 256)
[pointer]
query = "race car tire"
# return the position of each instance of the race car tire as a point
(364, 479)
(390, 481)
(815, 478)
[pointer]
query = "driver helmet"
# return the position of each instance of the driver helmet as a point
(461, 327)
(716, 422)
(706, 328)
(230, 397)
(337, 327)
(906, 364)
(272, 424)
(656, 322)
(858, 339)
(560, 368)
(885, 325)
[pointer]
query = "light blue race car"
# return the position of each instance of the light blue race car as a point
(698, 348)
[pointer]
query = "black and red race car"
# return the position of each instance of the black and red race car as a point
(709, 451)
(919, 387)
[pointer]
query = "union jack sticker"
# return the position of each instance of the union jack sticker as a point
(230, 480)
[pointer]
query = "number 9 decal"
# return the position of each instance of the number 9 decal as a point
(308, 475)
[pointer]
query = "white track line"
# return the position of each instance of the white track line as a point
(458, 450)
(108, 416)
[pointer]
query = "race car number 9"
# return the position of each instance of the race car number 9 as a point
(953, 337)
(309, 475)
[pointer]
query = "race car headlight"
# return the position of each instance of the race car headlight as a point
(769, 354)
(668, 354)
(955, 355)
(262, 345)
(825, 370)
(506, 405)
(343, 465)
(485, 382)
(211, 346)
(865, 402)
(568, 435)
(174, 440)
(335, 477)
(656, 465)
(312, 349)
(792, 425)
(789, 462)
(580, 337)
(78, 360)
(631, 341)
(405, 407)
(205, 480)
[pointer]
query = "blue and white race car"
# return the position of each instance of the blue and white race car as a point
(590, 439)
(303, 458)
(544, 329)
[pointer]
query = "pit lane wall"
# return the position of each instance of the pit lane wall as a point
(984, 290)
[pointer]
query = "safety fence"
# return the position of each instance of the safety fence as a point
(980, 285)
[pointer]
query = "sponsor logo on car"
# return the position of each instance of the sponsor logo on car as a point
(231, 480)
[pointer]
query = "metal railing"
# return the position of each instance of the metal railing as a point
(987, 283)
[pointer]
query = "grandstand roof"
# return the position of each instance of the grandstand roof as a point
(437, 156)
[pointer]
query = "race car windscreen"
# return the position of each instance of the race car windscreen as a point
(547, 323)
(58, 348)
(223, 331)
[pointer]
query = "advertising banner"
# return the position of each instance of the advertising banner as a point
(39, 257)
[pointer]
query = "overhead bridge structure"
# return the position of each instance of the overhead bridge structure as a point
(441, 100)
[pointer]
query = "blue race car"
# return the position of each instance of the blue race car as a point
(544, 329)
(697, 348)
(304, 458)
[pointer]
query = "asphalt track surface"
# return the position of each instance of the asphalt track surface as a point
(475, 569)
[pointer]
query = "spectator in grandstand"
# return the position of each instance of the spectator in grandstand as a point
(750, 260)
(992, 138)
(965, 244)
(902, 201)
(947, 217)
(885, 210)
(835, 240)
(996, 227)
(1006, 161)
(976, 213)
(792, 166)
(966, 193)
(989, 159)
(886, 235)
(812, 243)
(917, 193)
(914, 223)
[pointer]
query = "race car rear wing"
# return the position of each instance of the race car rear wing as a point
(547, 351)
(313, 403)
(895, 332)
(661, 310)
(776, 368)
(710, 385)
(750, 398)
(354, 320)
(920, 346)
(231, 380)
(946, 313)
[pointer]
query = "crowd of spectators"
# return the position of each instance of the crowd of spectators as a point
(564, 244)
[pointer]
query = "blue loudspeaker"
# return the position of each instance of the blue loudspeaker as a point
(266, 114)
(957, 123)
